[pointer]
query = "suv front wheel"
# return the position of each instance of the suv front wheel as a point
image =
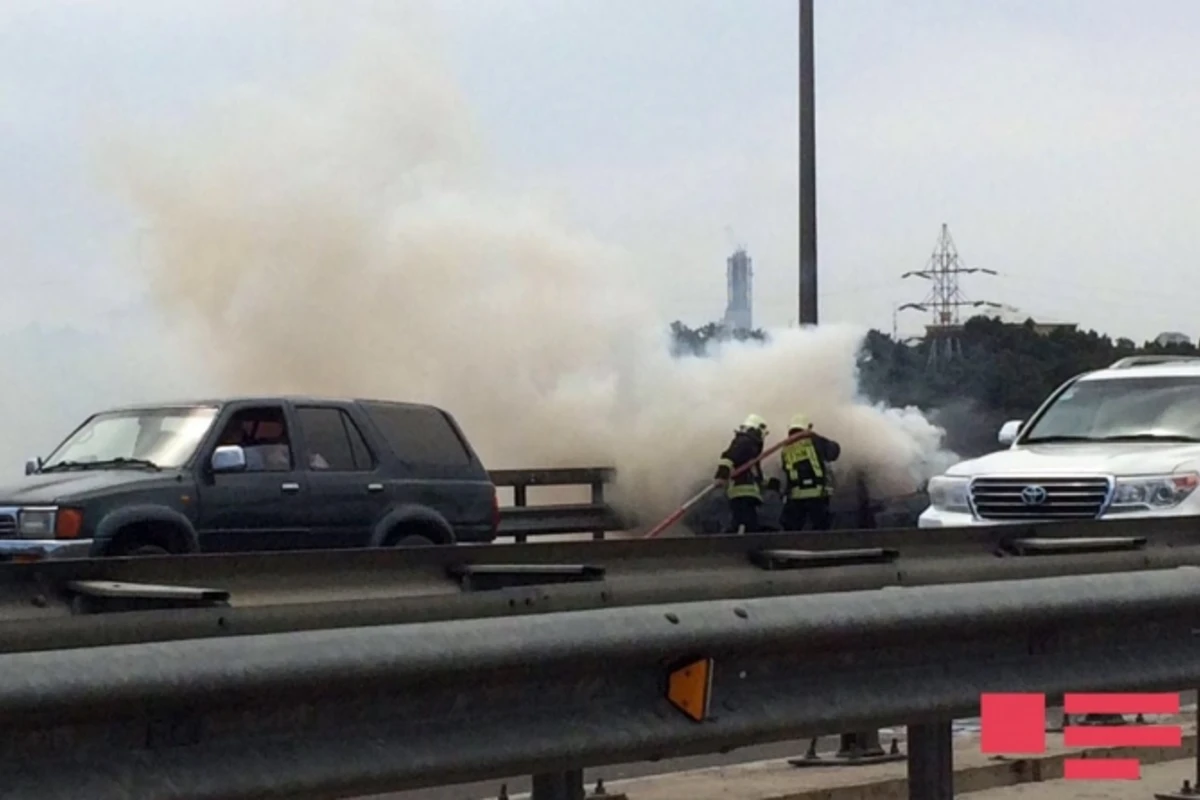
(144, 550)
(146, 540)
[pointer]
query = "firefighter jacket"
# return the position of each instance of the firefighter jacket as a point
(806, 467)
(744, 448)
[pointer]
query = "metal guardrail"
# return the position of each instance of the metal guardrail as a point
(341, 713)
(521, 520)
(60, 604)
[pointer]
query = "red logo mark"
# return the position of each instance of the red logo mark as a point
(1015, 724)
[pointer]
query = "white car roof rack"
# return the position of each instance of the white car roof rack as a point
(1148, 361)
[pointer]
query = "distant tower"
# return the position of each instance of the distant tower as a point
(739, 279)
(945, 298)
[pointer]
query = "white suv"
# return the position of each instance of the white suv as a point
(1120, 442)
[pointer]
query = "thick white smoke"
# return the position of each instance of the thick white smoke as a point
(349, 240)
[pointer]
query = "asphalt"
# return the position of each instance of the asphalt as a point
(520, 785)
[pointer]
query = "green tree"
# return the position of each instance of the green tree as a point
(695, 341)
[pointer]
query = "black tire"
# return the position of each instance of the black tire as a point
(149, 550)
(138, 549)
(414, 540)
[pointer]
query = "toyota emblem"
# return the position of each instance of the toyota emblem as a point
(1033, 495)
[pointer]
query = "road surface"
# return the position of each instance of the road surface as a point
(520, 785)
(826, 746)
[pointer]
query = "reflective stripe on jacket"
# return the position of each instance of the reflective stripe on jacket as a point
(805, 470)
(744, 448)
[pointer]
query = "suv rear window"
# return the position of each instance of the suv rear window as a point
(419, 435)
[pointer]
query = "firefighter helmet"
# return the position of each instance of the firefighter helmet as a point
(755, 423)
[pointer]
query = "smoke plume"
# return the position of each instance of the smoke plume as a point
(351, 240)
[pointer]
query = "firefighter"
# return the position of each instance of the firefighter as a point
(745, 490)
(807, 480)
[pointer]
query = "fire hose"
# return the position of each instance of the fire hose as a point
(678, 513)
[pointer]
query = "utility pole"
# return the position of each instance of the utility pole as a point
(808, 171)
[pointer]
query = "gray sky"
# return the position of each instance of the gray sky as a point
(1057, 144)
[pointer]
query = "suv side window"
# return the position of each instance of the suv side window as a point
(263, 433)
(333, 441)
(419, 434)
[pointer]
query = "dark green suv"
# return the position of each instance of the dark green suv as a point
(252, 473)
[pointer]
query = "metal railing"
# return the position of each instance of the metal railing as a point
(521, 520)
(356, 711)
(49, 605)
(852, 506)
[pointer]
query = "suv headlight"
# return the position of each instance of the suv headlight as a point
(36, 523)
(950, 494)
(1151, 492)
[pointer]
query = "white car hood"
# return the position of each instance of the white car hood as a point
(1081, 459)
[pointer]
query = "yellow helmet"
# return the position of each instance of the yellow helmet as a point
(800, 422)
(755, 423)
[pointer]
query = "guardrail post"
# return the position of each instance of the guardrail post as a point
(597, 500)
(931, 761)
(859, 747)
(566, 785)
(866, 514)
(519, 501)
(1190, 790)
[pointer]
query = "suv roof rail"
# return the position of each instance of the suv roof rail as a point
(1147, 361)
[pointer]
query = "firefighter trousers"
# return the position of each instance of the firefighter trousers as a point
(798, 512)
(743, 512)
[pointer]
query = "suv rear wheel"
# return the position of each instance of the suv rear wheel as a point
(413, 540)
(416, 533)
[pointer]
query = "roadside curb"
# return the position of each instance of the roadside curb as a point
(775, 779)
(999, 773)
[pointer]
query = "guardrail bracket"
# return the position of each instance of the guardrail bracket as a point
(1186, 792)
(858, 748)
(489, 577)
(1050, 546)
(806, 559)
(95, 597)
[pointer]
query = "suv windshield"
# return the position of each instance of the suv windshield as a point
(1116, 409)
(152, 437)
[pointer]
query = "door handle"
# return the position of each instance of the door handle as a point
(374, 487)
(290, 488)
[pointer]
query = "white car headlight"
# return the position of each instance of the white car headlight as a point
(950, 494)
(1150, 492)
(36, 523)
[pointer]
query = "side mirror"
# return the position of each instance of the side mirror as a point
(228, 458)
(1009, 431)
(32, 465)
